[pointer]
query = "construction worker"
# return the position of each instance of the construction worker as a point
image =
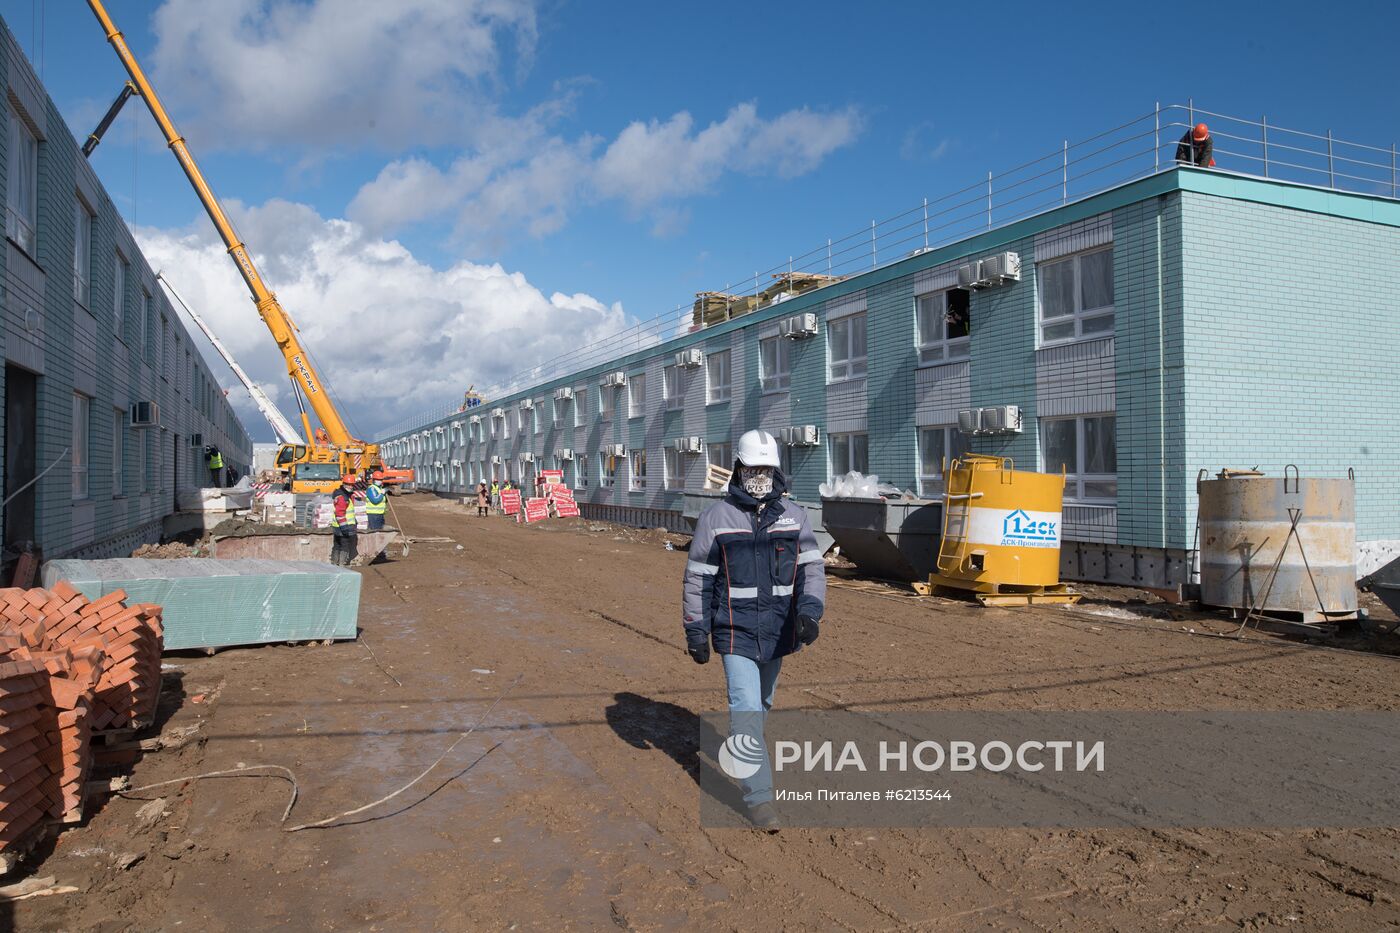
(754, 592)
(376, 503)
(215, 460)
(495, 494)
(1197, 147)
(483, 501)
(346, 545)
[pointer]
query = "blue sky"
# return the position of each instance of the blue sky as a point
(567, 142)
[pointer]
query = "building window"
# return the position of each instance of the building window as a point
(672, 473)
(580, 405)
(580, 472)
(846, 344)
(638, 478)
(636, 395)
(937, 447)
(22, 189)
(145, 326)
(720, 454)
(82, 253)
(82, 406)
(1076, 296)
(160, 348)
(944, 322)
(849, 452)
(1087, 450)
(717, 377)
(119, 296)
(775, 368)
(671, 387)
(118, 451)
(607, 470)
(607, 397)
(561, 411)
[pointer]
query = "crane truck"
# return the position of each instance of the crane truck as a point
(331, 450)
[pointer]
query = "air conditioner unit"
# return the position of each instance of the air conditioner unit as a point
(690, 445)
(615, 450)
(689, 359)
(527, 403)
(618, 378)
(498, 413)
(564, 453)
(1002, 419)
(564, 394)
(1003, 267)
(527, 457)
(475, 419)
(196, 440)
(969, 274)
(456, 463)
(495, 460)
(801, 435)
(144, 414)
(799, 326)
(969, 420)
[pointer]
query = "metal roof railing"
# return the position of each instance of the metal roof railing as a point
(1138, 148)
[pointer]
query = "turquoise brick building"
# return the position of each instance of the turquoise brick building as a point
(89, 341)
(1185, 319)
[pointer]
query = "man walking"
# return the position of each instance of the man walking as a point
(346, 544)
(755, 591)
(376, 503)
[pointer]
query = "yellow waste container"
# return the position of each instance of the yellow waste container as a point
(1001, 533)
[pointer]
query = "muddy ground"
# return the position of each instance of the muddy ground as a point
(574, 806)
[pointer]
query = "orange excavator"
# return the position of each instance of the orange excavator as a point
(331, 451)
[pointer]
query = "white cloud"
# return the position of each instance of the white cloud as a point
(391, 335)
(340, 72)
(648, 166)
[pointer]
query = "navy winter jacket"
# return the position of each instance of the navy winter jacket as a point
(750, 576)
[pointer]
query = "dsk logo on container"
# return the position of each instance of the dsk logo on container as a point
(1019, 528)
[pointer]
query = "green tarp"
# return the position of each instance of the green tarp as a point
(212, 603)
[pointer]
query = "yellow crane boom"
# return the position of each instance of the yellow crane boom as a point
(284, 330)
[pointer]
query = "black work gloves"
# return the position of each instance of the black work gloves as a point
(807, 629)
(698, 647)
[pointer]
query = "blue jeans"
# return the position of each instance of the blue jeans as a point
(376, 522)
(751, 685)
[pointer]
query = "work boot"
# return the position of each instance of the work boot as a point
(764, 817)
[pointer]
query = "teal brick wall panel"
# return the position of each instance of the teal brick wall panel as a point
(1003, 357)
(1291, 347)
(889, 385)
(807, 405)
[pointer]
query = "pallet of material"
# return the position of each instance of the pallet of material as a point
(210, 603)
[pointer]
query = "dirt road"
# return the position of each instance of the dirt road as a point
(575, 806)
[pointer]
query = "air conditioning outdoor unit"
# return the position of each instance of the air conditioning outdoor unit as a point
(456, 463)
(196, 440)
(689, 359)
(564, 453)
(475, 419)
(801, 435)
(527, 457)
(498, 413)
(618, 378)
(495, 460)
(564, 394)
(690, 445)
(145, 414)
(969, 420)
(1002, 419)
(615, 450)
(1003, 267)
(969, 274)
(527, 403)
(799, 326)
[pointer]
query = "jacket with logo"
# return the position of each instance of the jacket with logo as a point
(752, 572)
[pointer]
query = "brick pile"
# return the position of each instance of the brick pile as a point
(27, 786)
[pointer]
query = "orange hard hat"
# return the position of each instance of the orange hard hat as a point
(349, 479)
(1200, 132)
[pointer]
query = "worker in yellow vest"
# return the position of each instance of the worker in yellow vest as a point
(215, 460)
(376, 503)
(347, 544)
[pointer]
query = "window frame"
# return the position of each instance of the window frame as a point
(607, 478)
(715, 393)
(636, 404)
(82, 251)
(942, 349)
(21, 192)
(851, 367)
(580, 471)
(672, 390)
(607, 402)
(1076, 479)
(120, 270)
(81, 452)
(849, 438)
(672, 469)
(781, 380)
(726, 462)
(1079, 315)
(637, 479)
(932, 483)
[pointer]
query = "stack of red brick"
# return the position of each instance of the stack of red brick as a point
(68, 667)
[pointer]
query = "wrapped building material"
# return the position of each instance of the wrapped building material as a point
(208, 603)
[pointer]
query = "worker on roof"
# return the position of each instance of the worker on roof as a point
(376, 503)
(346, 545)
(215, 461)
(754, 592)
(1196, 147)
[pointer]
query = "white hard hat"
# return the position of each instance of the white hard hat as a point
(758, 448)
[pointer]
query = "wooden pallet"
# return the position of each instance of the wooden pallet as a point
(14, 854)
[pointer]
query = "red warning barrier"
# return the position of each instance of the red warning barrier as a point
(510, 501)
(536, 509)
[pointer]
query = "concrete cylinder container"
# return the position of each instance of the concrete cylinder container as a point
(1245, 524)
